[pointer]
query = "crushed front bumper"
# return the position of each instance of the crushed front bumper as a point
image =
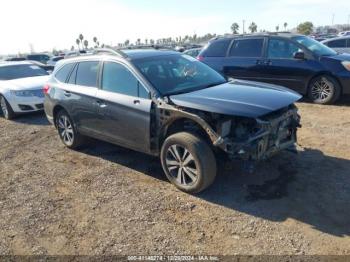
(275, 132)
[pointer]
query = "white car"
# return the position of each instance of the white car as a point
(21, 88)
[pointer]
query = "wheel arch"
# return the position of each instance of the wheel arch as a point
(57, 108)
(183, 123)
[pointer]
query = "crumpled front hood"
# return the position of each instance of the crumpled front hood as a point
(239, 98)
(28, 83)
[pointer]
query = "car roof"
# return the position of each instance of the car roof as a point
(282, 34)
(194, 49)
(129, 54)
(336, 38)
(14, 63)
(145, 53)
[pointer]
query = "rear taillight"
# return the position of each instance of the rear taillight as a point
(200, 58)
(46, 89)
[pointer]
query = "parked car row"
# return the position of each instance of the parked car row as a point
(40, 58)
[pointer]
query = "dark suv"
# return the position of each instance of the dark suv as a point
(170, 105)
(295, 61)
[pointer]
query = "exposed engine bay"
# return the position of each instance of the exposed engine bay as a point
(243, 138)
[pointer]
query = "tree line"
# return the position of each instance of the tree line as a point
(305, 28)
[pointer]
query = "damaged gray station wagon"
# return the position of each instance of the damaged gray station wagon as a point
(170, 105)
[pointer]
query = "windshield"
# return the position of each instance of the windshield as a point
(315, 46)
(175, 74)
(20, 71)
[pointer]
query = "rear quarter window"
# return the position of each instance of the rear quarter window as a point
(63, 73)
(217, 48)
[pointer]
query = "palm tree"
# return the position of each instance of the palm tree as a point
(253, 27)
(95, 41)
(234, 28)
(81, 38)
(127, 42)
(86, 44)
(285, 26)
(77, 41)
(277, 28)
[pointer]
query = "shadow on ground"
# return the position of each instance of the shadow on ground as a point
(36, 118)
(310, 187)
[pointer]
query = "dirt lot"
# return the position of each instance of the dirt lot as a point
(107, 200)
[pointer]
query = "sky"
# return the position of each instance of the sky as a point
(48, 24)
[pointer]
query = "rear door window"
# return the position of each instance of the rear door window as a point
(87, 74)
(217, 48)
(247, 48)
(63, 73)
(337, 43)
(281, 49)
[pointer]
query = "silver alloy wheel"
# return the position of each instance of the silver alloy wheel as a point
(65, 129)
(181, 165)
(322, 89)
(4, 106)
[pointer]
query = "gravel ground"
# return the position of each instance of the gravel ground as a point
(107, 200)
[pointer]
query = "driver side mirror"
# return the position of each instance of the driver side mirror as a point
(299, 55)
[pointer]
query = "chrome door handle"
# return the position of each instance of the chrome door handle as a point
(101, 104)
(137, 102)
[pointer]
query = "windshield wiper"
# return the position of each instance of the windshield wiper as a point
(194, 89)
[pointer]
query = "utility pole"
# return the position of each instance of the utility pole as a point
(243, 27)
(333, 19)
(349, 20)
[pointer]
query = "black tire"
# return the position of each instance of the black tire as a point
(324, 90)
(191, 174)
(6, 109)
(67, 130)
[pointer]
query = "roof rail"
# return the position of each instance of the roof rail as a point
(109, 51)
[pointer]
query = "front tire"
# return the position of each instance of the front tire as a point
(67, 130)
(188, 162)
(6, 108)
(324, 90)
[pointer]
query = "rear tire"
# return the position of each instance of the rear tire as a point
(6, 109)
(67, 130)
(188, 162)
(324, 90)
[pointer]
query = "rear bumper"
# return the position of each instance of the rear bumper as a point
(50, 119)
